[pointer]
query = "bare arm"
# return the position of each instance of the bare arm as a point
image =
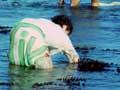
(74, 3)
(72, 54)
(63, 44)
(67, 47)
(95, 3)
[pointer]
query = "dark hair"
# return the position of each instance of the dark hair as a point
(63, 20)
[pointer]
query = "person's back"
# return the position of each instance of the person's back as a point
(31, 39)
(53, 32)
(27, 44)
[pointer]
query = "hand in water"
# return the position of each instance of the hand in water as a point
(72, 57)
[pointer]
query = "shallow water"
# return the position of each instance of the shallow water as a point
(96, 28)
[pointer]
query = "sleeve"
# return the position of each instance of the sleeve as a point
(63, 44)
(56, 38)
(69, 50)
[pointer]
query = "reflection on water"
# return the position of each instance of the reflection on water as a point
(24, 78)
(96, 28)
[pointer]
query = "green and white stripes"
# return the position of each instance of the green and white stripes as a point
(22, 43)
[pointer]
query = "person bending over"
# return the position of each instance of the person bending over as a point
(33, 41)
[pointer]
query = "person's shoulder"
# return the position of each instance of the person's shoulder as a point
(36, 21)
(45, 21)
(52, 26)
(49, 23)
(27, 19)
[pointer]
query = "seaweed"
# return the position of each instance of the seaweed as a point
(84, 50)
(6, 84)
(70, 78)
(92, 65)
(65, 83)
(118, 69)
(5, 29)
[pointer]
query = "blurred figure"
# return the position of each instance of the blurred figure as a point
(73, 3)
(94, 3)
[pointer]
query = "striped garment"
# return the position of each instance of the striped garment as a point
(27, 45)
(33, 41)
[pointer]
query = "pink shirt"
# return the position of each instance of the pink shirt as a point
(55, 37)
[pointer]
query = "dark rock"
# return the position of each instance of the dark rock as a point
(42, 84)
(71, 78)
(92, 65)
(60, 83)
(36, 85)
(6, 84)
(5, 29)
(110, 50)
(118, 69)
(84, 48)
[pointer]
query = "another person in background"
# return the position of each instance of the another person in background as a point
(94, 3)
(33, 40)
(73, 3)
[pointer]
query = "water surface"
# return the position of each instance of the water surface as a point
(93, 27)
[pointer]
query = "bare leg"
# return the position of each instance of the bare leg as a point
(61, 2)
(95, 3)
(74, 3)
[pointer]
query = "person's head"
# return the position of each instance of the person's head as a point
(64, 22)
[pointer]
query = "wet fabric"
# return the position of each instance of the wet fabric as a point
(26, 44)
(32, 39)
